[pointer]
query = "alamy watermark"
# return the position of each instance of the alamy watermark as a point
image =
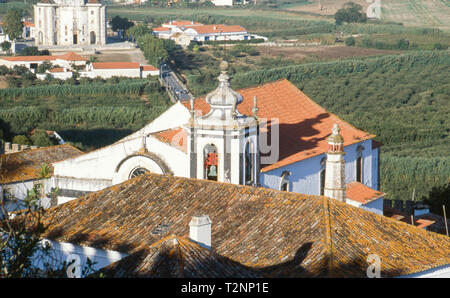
(374, 269)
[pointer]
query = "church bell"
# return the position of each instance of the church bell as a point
(212, 171)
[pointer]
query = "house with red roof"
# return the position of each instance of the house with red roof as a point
(124, 69)
(271, 135)
(183, 32)
(67, 60)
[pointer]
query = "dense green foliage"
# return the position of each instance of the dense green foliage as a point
(350, 13)
(12, 24)
(90, 115)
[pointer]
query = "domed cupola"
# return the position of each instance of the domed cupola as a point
(224, 95)
(223, 100)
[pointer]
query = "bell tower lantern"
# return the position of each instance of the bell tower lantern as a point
(223, 144)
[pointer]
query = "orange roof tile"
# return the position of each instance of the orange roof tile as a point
(115, 65)
(361, 193)
(182, 23)
(281, 234)
(175, 137)
(28, 24)
(218, 28)
(26, 165)
(71, 56)
(304, 126)
(29, 58)
(57, 69)
(176, 256)
(149, 68)
(161, 29)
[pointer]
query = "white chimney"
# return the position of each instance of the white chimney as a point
(200, 230)
(215, 28)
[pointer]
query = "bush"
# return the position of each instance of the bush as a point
(350, 41)
(21, 139)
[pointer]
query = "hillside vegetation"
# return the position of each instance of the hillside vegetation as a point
(91, 115)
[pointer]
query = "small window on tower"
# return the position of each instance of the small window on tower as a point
(359, 164)
(284, 185)
(92, 12)
(211, 161)
(323, 164)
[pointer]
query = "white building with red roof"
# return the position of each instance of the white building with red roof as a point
(278, 142)
(194, 31)
(67, 60)
(107, 70)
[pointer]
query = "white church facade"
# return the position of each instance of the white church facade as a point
(271, 135)
(70, 23)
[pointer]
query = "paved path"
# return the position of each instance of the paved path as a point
(173, 84)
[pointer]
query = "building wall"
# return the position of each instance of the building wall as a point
(108, 73)
(222, 2)
(113, 164)
(61, 251)
(57, 24)
(374, 206)
(305, 176)
(19, 191)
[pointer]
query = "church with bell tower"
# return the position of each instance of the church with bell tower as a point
(69, 23)
(271, 136)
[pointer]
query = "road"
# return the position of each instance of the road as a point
(178, 89)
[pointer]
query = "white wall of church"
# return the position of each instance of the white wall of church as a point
(305, 176)
(96, 170)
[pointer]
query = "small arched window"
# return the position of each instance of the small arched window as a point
(323, 166)
(249, 164)
(138, 172)
(359, 164)
(210, 161)
(284, 185)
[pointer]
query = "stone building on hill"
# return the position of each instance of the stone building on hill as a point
(70, 23)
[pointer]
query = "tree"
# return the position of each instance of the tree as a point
(439, 196)
(350, 13)
(23, 251)
(155, 50)
(30, 51)
(138, 31)
(121, 24)
(42, 139)
(350, 41)
(6, 46)
(12, 24)
(44, 66)
(21, 139)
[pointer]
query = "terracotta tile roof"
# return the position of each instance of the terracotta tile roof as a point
(304, 126)
(178, 257)
(182, 23)
(29, 58)
(93, 2)
(26, 165)
(175, 137)
(161, 29)
(149, 68)
(57, 69)
(70, 56)
(361, 193)
(277, 233)
(28, 24)
(218, 28)
(115, 65)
